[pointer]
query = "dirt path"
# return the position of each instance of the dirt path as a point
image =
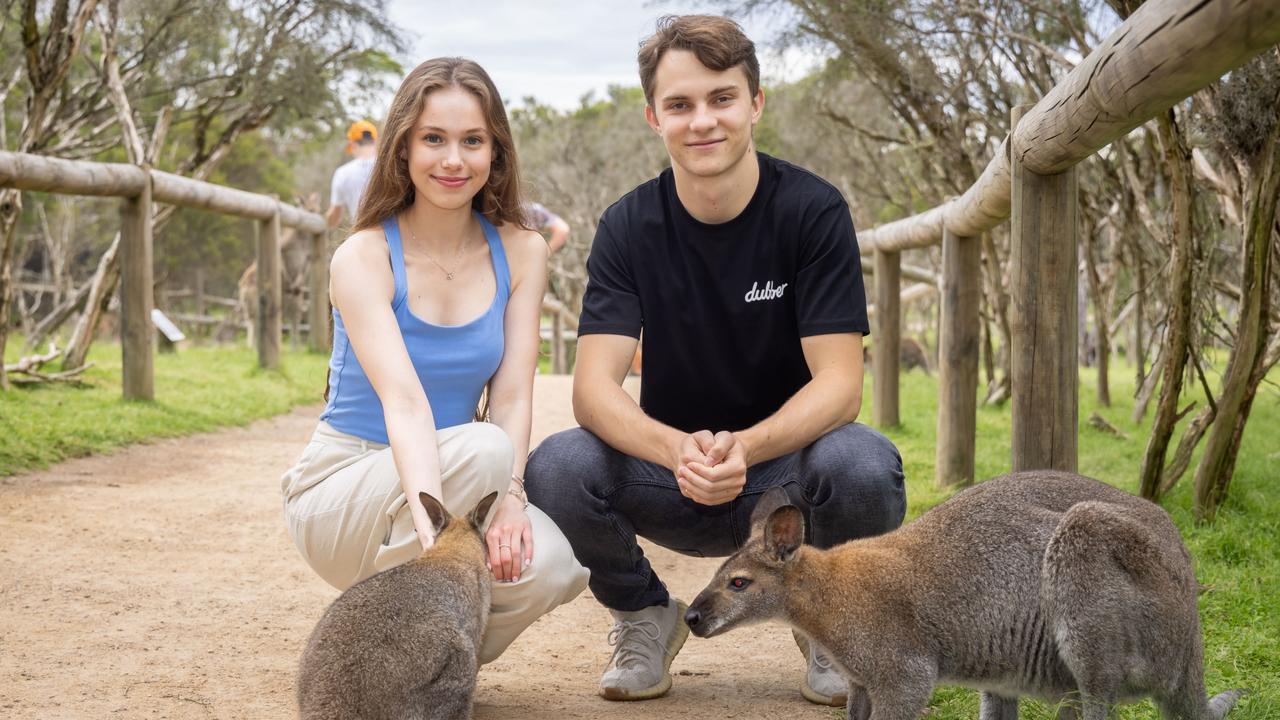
(159, 582)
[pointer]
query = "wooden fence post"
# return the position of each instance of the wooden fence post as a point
(557, 343)
(1044, 275)
(319, 312)
(269, 292)
(958, 330)
(137, 295)
(888, 339)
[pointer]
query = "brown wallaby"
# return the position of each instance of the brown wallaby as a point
(911, 354)
(403, 643)
(1042, 583)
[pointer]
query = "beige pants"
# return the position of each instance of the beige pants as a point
(347, 514)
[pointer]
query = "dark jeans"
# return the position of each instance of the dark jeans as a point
(849, 484)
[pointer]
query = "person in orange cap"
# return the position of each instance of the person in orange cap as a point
(350, 179)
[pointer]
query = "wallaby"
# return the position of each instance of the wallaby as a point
(403, 644)
(1042, 583)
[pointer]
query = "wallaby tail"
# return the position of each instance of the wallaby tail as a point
(1221, 704)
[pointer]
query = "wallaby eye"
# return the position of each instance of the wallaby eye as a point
(739, 583)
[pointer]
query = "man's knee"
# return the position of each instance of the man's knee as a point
(857, 463)
(855, 453)
(562, 466)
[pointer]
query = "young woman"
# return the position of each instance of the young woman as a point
(436, 299)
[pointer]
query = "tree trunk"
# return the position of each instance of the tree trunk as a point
(10, 209)
(988, 351)
(1139, 316)
(1246, 368)
(1102, 313)
(1178, 307)
(998, 303)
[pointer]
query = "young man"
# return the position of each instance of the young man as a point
(743, 272)
(350, 179)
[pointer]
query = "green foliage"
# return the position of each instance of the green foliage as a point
(1237, 556)
(197, 389)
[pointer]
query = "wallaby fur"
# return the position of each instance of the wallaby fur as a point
(1042, 583)
(403, 644)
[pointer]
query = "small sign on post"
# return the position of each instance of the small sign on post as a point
(166, 327)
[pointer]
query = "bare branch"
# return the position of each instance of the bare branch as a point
(133, 145)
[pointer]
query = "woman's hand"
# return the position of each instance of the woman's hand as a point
(510, 540)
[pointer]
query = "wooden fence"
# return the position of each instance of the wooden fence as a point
(141, 188)
(1163, 53)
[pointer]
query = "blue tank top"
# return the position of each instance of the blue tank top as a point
(453, 362)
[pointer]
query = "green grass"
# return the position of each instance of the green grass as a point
(198, 388)
(1237, 555)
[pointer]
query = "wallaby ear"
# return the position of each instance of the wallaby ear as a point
(774, 498)
(439, 516)
(481, 511)
(784, 532)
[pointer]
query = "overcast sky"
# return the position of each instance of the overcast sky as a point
(558, 50)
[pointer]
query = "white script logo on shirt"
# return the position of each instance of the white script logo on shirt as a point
(768, 292)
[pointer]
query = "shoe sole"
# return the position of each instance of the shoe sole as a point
(656, 691)
(818, 698)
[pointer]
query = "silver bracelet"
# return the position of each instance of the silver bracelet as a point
(523, 494)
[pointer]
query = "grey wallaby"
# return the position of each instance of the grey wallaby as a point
(1042, 583)
(403, 644)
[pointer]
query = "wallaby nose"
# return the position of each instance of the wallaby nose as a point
(692, 618)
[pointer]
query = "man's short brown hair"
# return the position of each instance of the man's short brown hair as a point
(717, 42)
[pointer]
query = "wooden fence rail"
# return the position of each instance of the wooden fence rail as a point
(141, 187)
(1161, 54)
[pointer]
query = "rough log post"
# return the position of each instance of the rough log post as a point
(137, 296)
(888, 339)
(958, 359)
(320, 341)
(1043, 283)
(557, 344)
(269, 293)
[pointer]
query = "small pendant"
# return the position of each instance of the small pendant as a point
(448, 276)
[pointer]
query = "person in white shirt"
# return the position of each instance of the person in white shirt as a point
(350, 179)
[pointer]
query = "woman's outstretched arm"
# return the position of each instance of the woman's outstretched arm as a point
(361, 288)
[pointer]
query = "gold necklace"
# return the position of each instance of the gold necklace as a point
(448, 274)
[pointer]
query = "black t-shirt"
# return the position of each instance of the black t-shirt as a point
(723, 307)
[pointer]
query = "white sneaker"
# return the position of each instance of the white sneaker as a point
(823, 684)
(645, 642)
